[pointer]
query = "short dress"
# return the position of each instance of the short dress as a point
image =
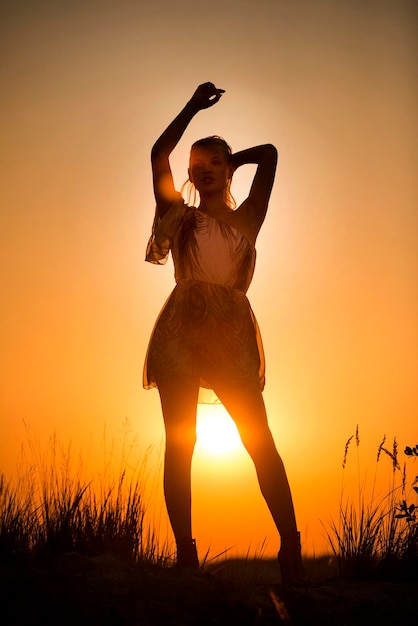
(206, 333)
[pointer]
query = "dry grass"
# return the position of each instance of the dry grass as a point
(374, 535)
(52, 507)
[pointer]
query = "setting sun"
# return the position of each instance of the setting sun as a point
(216, 432)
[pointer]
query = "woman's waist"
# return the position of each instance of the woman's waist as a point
(208, 287)
(200, 300)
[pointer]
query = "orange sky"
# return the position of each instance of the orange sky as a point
(86, 87)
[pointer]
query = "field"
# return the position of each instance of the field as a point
(75, 590)
(74, 556)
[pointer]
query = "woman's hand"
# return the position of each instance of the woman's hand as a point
(205, 96)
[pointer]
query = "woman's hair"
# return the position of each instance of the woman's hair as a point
(192, 195)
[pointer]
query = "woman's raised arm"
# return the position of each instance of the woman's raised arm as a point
(253, 210)
(205, 96)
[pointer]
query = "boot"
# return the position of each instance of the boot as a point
(187, 554)
(290, 560)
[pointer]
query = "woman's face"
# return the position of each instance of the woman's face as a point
(209, 169)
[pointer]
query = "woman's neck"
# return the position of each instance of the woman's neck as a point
(213, 205)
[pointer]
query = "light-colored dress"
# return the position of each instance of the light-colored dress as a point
(206, 333)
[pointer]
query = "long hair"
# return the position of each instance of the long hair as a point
(191, 193)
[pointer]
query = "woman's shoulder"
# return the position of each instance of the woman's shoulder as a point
(164, 229)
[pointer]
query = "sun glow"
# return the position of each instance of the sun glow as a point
(216, 432)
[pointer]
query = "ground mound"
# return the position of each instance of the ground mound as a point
(73, 590)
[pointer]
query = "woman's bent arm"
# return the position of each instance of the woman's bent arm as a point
(254, 208)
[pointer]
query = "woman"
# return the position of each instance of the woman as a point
(207, 337)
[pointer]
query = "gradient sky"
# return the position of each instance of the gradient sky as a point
(86, 88)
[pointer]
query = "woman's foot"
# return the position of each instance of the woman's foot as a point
(187, 554)
(290, 560)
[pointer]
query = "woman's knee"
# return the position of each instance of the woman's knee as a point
(180, 437)
(258, 441)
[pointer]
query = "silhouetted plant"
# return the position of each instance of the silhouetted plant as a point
(50, 507)
(406, 512)
(412, 452)
(377, 535)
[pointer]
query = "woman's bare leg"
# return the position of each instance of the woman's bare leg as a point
(179, 403)
(247, 409)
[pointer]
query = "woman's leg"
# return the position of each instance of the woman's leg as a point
(179, 402)
(246, 407)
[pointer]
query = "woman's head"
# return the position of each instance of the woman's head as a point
(214, 141)
(210, 169)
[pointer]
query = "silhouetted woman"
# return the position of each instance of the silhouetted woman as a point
(206, 337)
